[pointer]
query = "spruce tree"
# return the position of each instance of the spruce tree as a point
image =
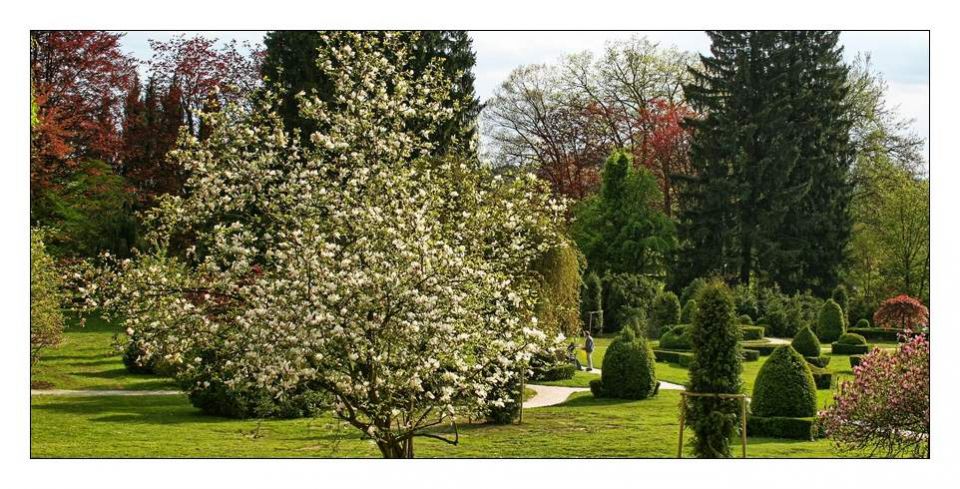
(290, 64)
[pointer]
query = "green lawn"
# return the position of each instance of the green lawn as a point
(168, 426)
(87, 359)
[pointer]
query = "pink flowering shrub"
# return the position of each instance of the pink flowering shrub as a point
(886, 408)
(902, 312)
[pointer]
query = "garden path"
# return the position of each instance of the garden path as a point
(551, 395)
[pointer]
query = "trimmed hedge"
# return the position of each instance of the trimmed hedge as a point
(783, 427)
(843, 349)
(855, 360)
(676, 338)
(560, 371)
(745, 319)
(876, 334)
(822, 377)
(750, 355)
(851, 339)
(682, 358)
(830, 323)
(785, 386)
(806, 343)
(629, 370)
(862, 324)
(764, 347)
(821, 361)
(751, 332)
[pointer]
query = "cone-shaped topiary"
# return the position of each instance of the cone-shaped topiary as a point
(806, 343)
(715, 336)
(628, 369)
(784, 386)
(666, 311)
(689, 311)
(830, 324)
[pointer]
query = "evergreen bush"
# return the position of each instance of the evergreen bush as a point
(745, 319)
(830, 324)
(752, 332)
(666, 311)
(689, 311)
(623, 295)
(591, 300)
(851, 339)
(785, 386)
(806, 343)
(716, 368)
(629, 370)
(676, 338)
(692, 290)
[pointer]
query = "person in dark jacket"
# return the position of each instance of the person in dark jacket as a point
(588, 347)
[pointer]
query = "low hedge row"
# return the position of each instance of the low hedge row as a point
(821, 362)
(875, 334)
(560, 371)
(750, 355)
(822, 377)
(765, 347)
(782, 427)
(676, 337)
(842, 349)
(682, 358)
(855, 360)
(751, 332)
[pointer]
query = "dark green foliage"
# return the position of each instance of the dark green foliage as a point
(830, 324)
(559, 371)
(684, 359)
(783, 427)
(510, 410)
(745, 319)
(745, 301)
(784, 386)
(290, 63)
(752, 332)
(676, 338)
(876, 334)
(852, 339)
(855, 360)
(846, 349)
(629, 369)
(765, 347)
(624, 295)
(771, 195)
(821, 361)
(620, 229)
(863, 323)
(591, 300)
(221, 400)
(806, 343)
(716, 368)
(750, 355)
(666, 311)
(689, 311)
(822, 377)
(839, 296)
(596, 388)
(558, 303)
(692, 291)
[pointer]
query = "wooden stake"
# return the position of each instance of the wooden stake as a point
(683, 414)
(743, 425)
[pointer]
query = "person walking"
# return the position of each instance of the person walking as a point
(588, 347)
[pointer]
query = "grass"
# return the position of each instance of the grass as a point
(87, 359)
(169, 426)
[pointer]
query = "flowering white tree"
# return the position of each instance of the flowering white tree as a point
(398, 284)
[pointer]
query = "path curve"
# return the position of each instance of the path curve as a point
(551, 395)
(94, 393)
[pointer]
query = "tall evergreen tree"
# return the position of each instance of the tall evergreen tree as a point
(770, 197)
(290, 63)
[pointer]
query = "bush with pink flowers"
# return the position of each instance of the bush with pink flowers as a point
(885, 410)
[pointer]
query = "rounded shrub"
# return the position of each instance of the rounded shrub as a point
(676, 338)
(666, 311)
(689, 311)
(863, 323)
(628, 369)
(806, 343)
(784, 386)
(745, 319)
(830, 324)
(851, 339)
(717, 365)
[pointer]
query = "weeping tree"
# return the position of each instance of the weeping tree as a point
(352, 264)
(716, 368)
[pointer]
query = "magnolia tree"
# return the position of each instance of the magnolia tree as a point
(399, 285)
(886, 408)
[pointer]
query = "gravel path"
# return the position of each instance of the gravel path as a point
(93, 393)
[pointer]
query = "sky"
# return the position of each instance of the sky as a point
(902, 57)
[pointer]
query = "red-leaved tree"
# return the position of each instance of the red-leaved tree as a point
(902, 312)
(885, 410)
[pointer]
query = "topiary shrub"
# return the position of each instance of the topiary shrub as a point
(846, 349)
(806, 343)
(822, 378)
(717, 365)
(830, 324)
(665, 312)
(629, 369)
(676, 338)
(745, 319)
(785, 386)
(822, 361)
(851, 339)
(591, 301)
(623, 295)
(689, 312)
(684, 359)
(863, 323)
(752, 332)
(877, 334)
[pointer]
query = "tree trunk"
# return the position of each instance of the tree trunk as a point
(396, 449)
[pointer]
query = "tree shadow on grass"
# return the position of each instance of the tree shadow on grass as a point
(131, 409)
